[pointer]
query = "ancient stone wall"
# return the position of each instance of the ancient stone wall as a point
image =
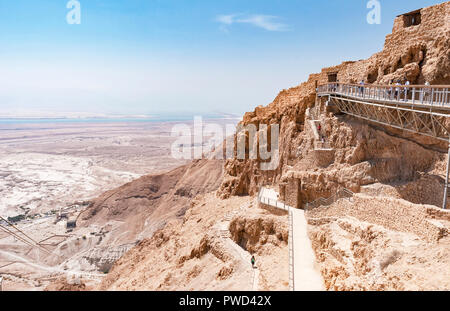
(292, 196)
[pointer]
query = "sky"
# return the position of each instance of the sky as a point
(136, 57)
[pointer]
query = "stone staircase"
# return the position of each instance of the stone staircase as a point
(224, 232)
(321, 141)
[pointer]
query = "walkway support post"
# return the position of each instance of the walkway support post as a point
(444, 205)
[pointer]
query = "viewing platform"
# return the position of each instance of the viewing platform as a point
(420, 109)
(420, 96)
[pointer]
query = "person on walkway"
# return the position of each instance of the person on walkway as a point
(319, 127)
(406, 89)
(426, 91)
(253, 262)
(361, 88)
(397, 90)
(389, 91)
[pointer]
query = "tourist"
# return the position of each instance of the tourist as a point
(426, 91)
(361, 88)
(397, 89)
(253, 262)
(390, 89)
(406, 89)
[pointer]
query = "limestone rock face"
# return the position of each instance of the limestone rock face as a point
(363, 154)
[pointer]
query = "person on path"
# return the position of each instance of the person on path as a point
(253, 260)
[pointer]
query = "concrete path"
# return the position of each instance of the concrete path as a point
(306, 276)
(303, 272)
(255, 279)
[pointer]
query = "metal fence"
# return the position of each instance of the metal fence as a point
(272, 202)
(281, 205)
(410, 94)
(291, 252)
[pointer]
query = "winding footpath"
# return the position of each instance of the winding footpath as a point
(245, 257)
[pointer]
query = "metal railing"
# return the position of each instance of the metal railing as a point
(281, 205)
(272, 202)
(342, 193)
(436, 96)
(291, 252)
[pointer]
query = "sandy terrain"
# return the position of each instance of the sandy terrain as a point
(51, 165)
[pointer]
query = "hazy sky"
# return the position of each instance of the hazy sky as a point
(167, 56)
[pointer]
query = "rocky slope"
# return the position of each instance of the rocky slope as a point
(197, 253)
(147, 204)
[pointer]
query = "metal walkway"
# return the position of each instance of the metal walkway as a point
(418, 109)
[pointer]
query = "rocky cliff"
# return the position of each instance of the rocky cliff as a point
(364, 153)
